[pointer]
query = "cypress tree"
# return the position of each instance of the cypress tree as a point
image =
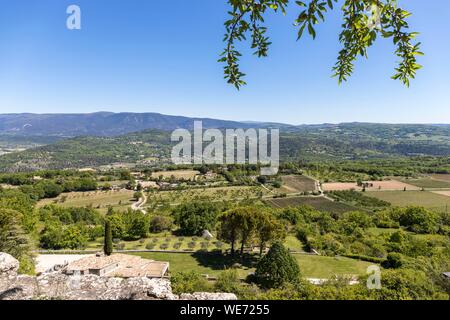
(108, 247)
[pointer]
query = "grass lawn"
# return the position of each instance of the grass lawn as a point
(326, 267)
(212, 264)
(413, 198)
(293, 243)
(379, 231)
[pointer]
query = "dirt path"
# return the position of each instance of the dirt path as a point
(138, 204)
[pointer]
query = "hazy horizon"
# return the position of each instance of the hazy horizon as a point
(234, 120)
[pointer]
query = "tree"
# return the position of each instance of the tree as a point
(277, 268)
(13, 239)
(229, 224)
(238, 224)
(160, 223)
(393, 260)
(268, 229)
(195, 217)
(108, 246)
(117, 225)
(418, 219)
(364, 21)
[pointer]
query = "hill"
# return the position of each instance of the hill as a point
(321, 143)
(104, 124)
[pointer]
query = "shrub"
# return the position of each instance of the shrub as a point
(204, 245)
(160, 224)
(189, 282)
(177, 245)
(192, 245)
(120, 246)
(164, 246)
(150, 246)
(394, 260)
(228, 281)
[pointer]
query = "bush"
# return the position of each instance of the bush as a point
(192, 245)
(120, 246)
(150, 246)
(177, 245)
(160, 224)
(204, 245)
(394, 260)
(164, 246)
(189, 282)
(228, 281)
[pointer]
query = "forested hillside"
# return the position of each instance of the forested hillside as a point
(319, 143)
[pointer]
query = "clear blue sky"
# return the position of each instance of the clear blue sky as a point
(160, 56)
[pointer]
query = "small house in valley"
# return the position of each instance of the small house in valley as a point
(118, 265)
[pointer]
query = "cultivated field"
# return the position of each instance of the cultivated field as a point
(429, 183)
(169, 242)
(388, 185)
(443, 193)
(97, 199)
(319, 203)
(413, 198)
(296, 184)
(178, 174)
(442, 177)
(213, 264)
(213, 194)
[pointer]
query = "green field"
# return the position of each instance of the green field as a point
(212, 194)
(319, 203)
(212, 264)
(413, 198)
(100, 200)
(428, 183)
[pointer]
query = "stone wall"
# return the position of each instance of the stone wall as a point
(57, 285)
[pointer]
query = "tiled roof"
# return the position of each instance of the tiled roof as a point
(126, 265)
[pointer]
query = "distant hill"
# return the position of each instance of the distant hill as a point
(106, 124)
(328, 142)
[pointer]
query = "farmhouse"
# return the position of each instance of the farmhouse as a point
(118, 265)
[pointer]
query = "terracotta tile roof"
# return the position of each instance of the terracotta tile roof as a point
(126, 266)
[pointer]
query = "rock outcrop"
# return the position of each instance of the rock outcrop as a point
(57, 285)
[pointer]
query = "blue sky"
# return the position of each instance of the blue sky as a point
(160, 56)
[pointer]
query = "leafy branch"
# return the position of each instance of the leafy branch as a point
(363, 22)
